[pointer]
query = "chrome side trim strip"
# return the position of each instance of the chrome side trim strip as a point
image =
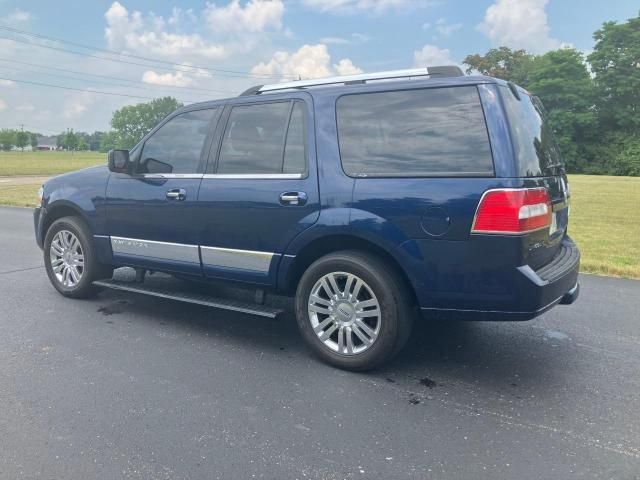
(162, 250)
(101, 236)
(232, 258)
(255, 176)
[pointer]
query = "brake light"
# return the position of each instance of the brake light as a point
(513, 211)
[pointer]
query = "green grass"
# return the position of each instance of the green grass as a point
(25, 195)
(605, 213)
(47, 163)
(605, 222)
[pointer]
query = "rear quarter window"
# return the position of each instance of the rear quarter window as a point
(536, 151)
(426, 132)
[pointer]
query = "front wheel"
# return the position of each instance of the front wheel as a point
(354, 310)
(70, 258)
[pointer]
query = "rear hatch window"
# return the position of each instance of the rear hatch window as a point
(537, 153)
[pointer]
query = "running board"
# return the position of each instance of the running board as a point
(191, 297)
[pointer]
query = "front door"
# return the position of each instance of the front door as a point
(261, 188)
(151, 213)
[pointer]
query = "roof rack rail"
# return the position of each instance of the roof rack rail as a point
(440, 71)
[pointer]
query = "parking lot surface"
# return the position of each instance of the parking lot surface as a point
(125, 386)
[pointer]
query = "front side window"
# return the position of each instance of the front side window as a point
(176, 146)
(428, 132)
(266, 138)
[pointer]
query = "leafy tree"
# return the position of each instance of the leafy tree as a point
(94, 140)
(82, 144)
(71, 140)
(21, 139)
(503, 62)
(108, 141)
(133, 122)
(561, 80)
(7, 138)
(33, 140)
(615, 62)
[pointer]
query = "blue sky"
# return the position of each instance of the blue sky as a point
(262, 40)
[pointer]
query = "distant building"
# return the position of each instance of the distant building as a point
(47, 143)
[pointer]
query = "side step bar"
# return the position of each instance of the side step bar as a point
(191, 297)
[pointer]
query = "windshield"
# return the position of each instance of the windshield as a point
(537, 153)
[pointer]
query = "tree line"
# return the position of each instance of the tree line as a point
(592, 102)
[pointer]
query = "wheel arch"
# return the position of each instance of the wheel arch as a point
(61, 209)
(324, 245)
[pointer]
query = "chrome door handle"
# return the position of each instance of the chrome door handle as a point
(177, 194)
(293, 198)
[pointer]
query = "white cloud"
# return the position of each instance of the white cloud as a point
(309, 61)
(430, 55)
(334, 40)
(255, 16)
(7, 83)
(25, 107)
(178, 79)
(346, 67)
(519, 24)
(132, 32)
(446, 29)
(3, 105)
(16, 16)
(353, 38)
(76, 104)
(354, 6)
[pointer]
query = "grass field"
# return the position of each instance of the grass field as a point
(605, 213)
(47, 163)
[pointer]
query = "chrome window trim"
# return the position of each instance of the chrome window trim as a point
(170, 175)
(255, 176)
(234, 258)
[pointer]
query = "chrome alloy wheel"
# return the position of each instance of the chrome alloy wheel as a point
(344, 313)
(67, 258)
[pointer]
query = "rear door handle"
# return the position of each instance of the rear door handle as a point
(293, 198)
(177, 194)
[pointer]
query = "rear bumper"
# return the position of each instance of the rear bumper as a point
(531, 292)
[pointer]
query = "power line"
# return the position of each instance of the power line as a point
(84, 90)
(163, 87)
(10, 70)
(137, 57)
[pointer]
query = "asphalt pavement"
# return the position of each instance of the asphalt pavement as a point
(126, 386)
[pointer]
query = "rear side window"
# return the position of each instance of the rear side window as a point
(429, 132)
(176, 146)
(266, 138)
(536, 151)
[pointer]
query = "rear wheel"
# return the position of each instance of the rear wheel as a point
(353, 310)
(70, 259)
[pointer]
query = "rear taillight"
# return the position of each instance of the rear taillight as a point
(513, 211)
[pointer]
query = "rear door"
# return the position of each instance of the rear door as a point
(260, 189)
(151, 213)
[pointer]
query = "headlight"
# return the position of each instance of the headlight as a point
(40, 195)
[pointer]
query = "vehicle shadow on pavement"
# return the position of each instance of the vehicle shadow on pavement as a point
(497, 354)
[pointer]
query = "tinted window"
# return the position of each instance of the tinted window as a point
(176, 146)
(254, 140)
(414, 133)
(536, 150)
(294, 151)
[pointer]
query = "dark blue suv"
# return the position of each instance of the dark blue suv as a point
(369, 198)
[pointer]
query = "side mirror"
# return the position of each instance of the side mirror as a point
(119, 161)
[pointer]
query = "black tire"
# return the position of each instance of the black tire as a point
(92, 269)
(390, 290)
